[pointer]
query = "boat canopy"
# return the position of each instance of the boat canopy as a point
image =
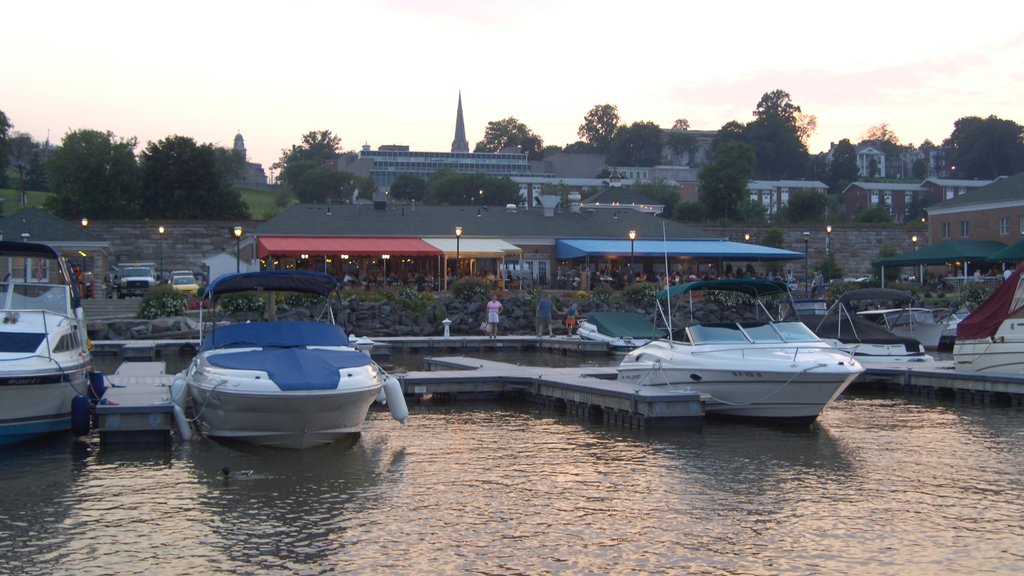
(274, 334)
(694, 248)
(624, 325)
(1006, 301)
(754, 287)
(279, 280)
(876, 294)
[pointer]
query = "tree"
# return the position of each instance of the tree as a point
(27, 163)
(318, 148)
(5, 128)
(599, 126)
(659, 192)
(639, 144)
(986, 148)
(777, 135)
(723, 182)
(843, 169)
(580, 147)
(185, 180)
(322, 185)
(806, 206)
(94, 174)
(510, 133)
(681, 143)
(455, 189)
(681, 124)
(409, 187)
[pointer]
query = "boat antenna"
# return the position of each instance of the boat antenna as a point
(667, 284)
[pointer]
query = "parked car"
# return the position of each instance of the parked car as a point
(184, 281)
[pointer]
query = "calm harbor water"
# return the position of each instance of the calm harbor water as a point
(879, 485)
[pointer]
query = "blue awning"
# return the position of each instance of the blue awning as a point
(697, 248)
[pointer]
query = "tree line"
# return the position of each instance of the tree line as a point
(98, 174)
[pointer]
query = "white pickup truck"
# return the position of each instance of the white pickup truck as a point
(135, 280)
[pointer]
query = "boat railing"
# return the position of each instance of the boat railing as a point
(792, 350)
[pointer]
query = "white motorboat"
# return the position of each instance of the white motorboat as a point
(925, 325)
(991, 338)
(621, 331)
(754, 367)
(871, 343)
(44, 356)
(290, 384)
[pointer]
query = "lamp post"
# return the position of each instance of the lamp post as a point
(385, 258)
(920, 267)
(828, 252)
(238, 248)
(807, 278)
(161, 230)
(632, 252)
(458, 237)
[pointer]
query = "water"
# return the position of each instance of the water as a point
(880, 485)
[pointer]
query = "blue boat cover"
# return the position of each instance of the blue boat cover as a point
(295, 369)
(274, 334)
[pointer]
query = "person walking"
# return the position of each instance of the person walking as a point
(543, 320)
(570, 318)
(494, 309)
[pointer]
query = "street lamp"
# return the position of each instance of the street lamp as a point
(238, 249)
(458, 237)
(828, 252)
(385, 258)
(920, 267)
(632, 252)
(807, 278)
(161, 230)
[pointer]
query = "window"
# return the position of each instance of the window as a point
(964, 228)
(946, 231)
(1004, 226)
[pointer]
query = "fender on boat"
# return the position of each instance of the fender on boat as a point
(80, 415)
(396, 400)
(179, 397)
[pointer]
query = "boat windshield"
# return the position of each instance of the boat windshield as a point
(796, 332)
(22, 296)
(756, 332)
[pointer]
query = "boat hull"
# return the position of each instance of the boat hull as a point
(35, 403)
(758, 383)
(999, 355)
(247, 405)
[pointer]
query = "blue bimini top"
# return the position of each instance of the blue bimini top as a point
(274, 334)
(295, 369)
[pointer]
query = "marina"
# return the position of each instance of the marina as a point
(139, 405)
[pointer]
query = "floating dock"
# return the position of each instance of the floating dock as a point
(138, 406)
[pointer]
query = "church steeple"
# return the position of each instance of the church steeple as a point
(460, 144)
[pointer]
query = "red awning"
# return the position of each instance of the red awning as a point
(353, 246)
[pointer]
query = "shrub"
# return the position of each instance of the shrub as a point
(641, 293)
(233, 303)
(602, 294)
(972, 294)
(410, 299)
(471, 289)
(161, 302)
(301, 300)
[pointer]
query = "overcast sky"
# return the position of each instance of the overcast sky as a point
(390, 71)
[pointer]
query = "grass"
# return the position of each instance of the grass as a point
(262, 203)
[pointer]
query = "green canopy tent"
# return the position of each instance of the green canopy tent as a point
(1012, 253)
(965, 251)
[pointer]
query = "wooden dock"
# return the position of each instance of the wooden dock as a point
(585, 392)
(137, 405)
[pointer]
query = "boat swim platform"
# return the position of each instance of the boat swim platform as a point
(585, 392)
(931, 379)
(136, 407)
(382, 346)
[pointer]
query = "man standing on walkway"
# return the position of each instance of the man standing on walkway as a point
(543, 320)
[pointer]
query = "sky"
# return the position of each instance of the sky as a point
(379, 72)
